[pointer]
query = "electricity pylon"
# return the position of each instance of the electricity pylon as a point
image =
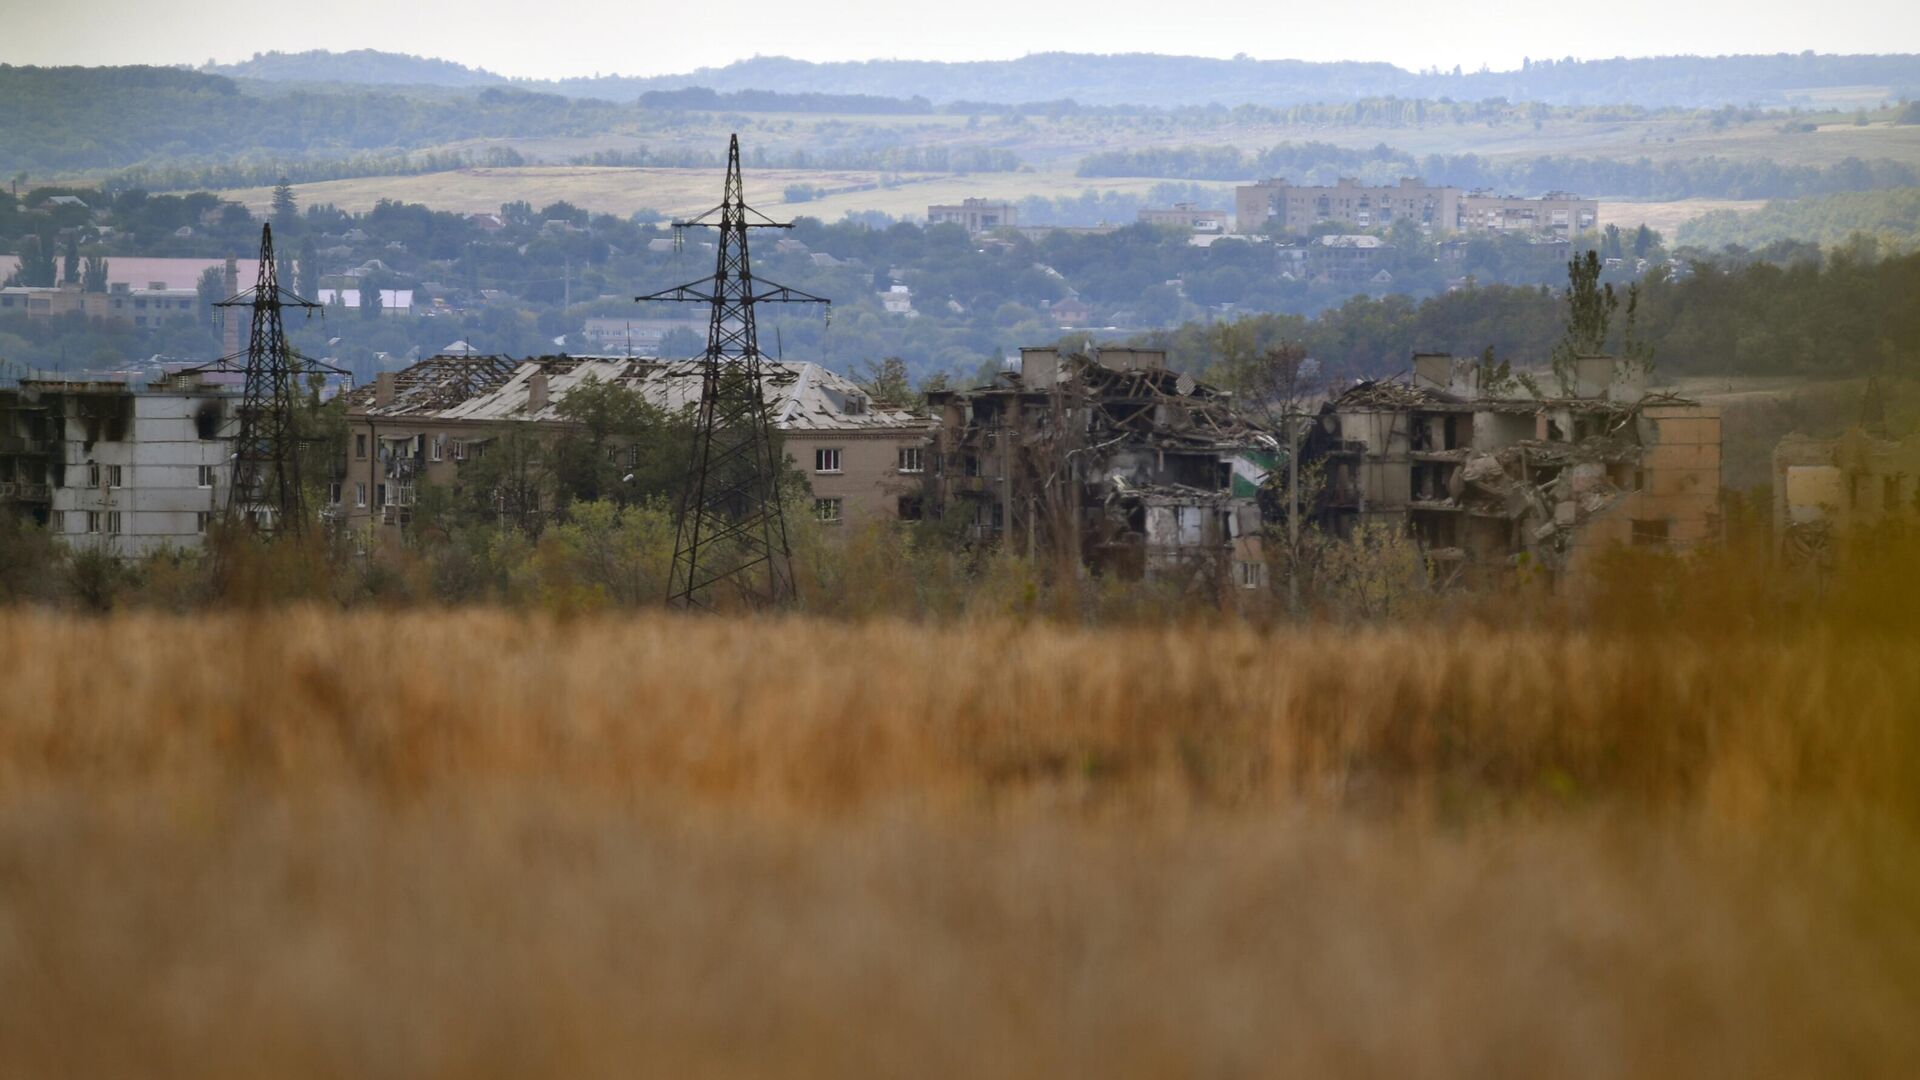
(730, 532)
(263, 490)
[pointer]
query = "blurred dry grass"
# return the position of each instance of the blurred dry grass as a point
(301, 843)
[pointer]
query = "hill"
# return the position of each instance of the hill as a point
(1143, 78)
(1152, 78)
(357, 66)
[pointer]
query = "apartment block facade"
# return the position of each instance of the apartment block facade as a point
(109, 467)
(863, 459)
(1279, 206)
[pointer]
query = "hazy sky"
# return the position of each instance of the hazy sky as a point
(582, 37)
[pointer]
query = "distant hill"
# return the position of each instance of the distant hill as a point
(366, 66)
(1155, 79)
(1147, 78)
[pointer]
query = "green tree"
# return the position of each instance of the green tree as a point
(616, 446)
(70, 265)
(286, 210)
(308, 269)
(885, 382)
(1590, 308)
(212, 287)
(93, 278)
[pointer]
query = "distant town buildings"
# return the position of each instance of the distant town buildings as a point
(151, 306)
(1186, 216)
(1277, 205)
(976, 215)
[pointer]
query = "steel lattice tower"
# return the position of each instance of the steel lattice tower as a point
(264, 490)
(730, 531)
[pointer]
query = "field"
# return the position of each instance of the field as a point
(1053, 150)
(305, 843)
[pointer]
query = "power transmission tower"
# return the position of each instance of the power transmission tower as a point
(264, 490)
(731, 533)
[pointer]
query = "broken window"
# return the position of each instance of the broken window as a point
(911, 508)
(827, 510)
(1649, 532)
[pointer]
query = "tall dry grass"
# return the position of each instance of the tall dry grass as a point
(301, 843)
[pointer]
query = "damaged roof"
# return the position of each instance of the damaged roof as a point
(802, 396)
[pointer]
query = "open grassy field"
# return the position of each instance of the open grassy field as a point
(676, 191)
(304, 844)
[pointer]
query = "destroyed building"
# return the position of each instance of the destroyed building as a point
(1827, 489)
(1486, 476)
(862, 458)
(1110, 462)
(114, 468)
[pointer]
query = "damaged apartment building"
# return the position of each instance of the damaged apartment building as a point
(1112, 462)
(862, 459)
(1826, 490)
(1485, 478)
(114, 468)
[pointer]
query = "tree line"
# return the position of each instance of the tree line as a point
(1322, 163)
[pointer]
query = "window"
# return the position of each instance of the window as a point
(827, 510)
(360, 493)
(910, 460)
(911, 508)
(380, 494)
(1246, 574)
(437, 447)
(206, 476)
(826, 461)
(93, 476)
(114, 476)
(970, 466)
(1648, 533)
(333, 493)
(200, 521)
(93, 521)
(360, 446)
(459, 450)
(856, 405)
(113, 521)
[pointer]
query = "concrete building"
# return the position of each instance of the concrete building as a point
(625, 336)
(863, 459)
(1279, 206)
(1186, 216)
(1347, 259)
(976, 215)
(1824, 490)
(1112, 462)
(109, 467)
(120, 303)
(1483, 475)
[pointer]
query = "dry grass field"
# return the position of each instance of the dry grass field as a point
(302, 843)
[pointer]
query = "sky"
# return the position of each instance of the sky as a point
(587, 37)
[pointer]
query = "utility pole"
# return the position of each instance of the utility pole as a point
(1293, 513)
(264, 489)
(730, 531)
